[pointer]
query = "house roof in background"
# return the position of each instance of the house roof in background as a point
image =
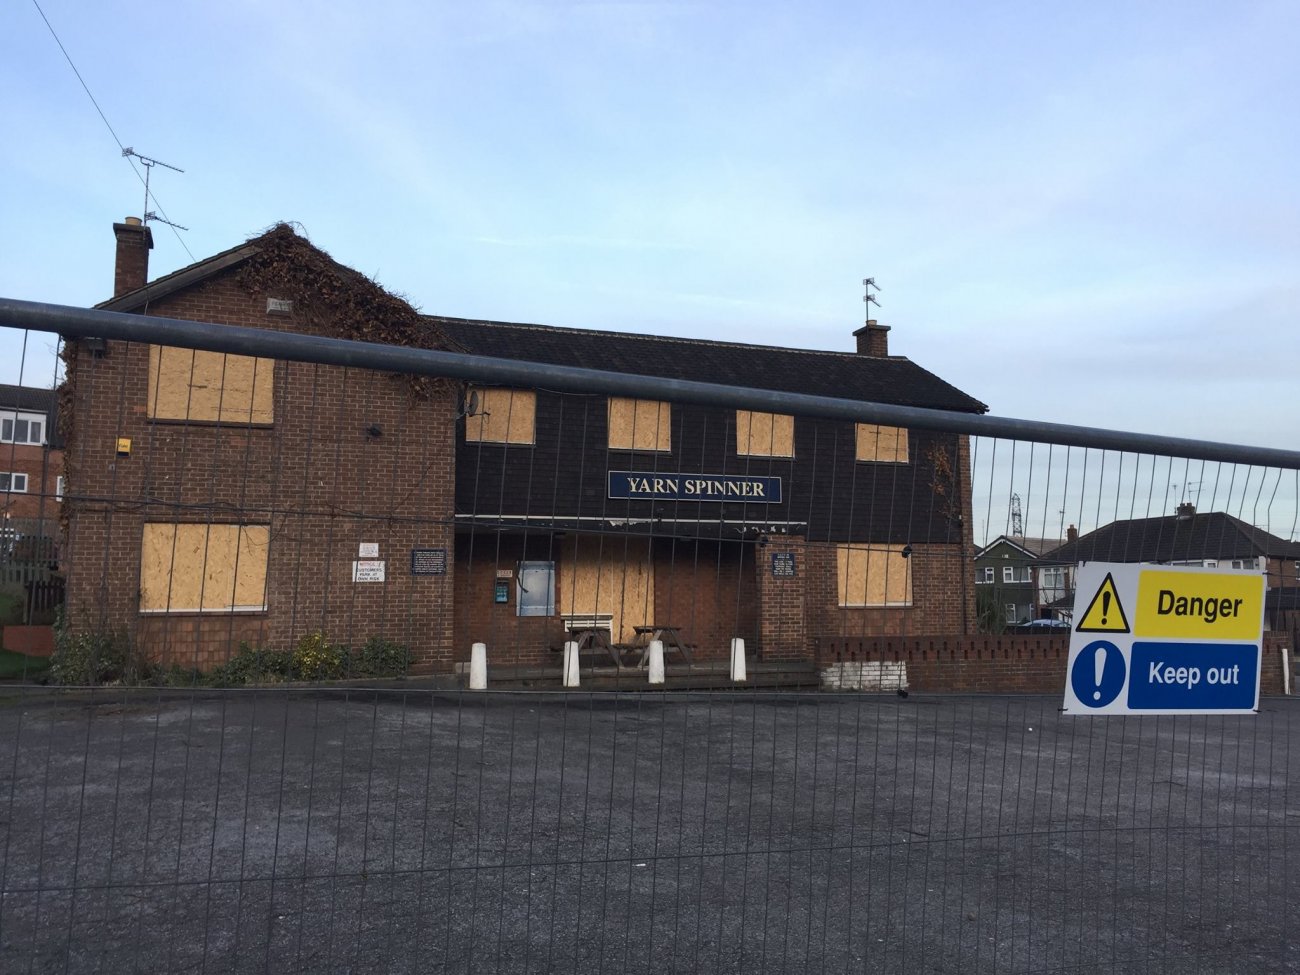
(1031, 547)
(894, 379)
(1173, 538)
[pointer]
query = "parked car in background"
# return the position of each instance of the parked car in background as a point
(1040, 626)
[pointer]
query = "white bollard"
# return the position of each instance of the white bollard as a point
(478, 667)
(656, 653)
(570, 678)
(737, 659)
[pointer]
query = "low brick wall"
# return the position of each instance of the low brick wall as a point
(991, 664)
(34, 641)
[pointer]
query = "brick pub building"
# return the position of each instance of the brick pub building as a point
(214, 499)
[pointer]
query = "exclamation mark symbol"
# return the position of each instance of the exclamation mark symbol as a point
(1105, 609)
(1099, 664)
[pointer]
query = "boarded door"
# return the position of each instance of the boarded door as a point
(609, 575)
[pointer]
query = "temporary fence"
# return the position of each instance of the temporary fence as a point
(774, 681)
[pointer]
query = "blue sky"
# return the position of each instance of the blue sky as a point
(1085, 213)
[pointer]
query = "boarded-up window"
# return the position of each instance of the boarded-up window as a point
(764, 434)
(874, 575)
(185, 384)
(501, 416)
(880, 443)
(203, 568)
(614, 577)
(640, 424)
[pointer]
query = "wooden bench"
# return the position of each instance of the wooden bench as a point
(592, 631)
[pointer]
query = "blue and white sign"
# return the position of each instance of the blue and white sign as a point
(653, 486)
(1158, 639)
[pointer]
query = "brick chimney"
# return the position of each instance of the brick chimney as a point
(1072, 534)
(873, 339)
(134, 242)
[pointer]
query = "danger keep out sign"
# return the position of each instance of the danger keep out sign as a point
(1157, 639)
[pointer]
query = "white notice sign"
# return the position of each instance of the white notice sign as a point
(368, 550)
(368, 570)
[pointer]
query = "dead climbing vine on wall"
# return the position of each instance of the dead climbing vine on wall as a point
(337, 301)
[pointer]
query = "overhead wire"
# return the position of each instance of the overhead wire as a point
(150, 195)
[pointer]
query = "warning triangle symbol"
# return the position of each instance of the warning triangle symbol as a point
(1104, 613)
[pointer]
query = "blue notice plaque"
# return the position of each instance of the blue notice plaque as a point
(783, 565)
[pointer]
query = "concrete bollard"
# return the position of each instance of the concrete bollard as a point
(737, 659)
(570, 677)
(656, 654)
(478, 667)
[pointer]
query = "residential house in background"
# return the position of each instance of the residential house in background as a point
(1007, 588)
(1213, 539)
(31, 462)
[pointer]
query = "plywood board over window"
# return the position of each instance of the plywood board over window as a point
(187, 384)
(764, 434)
(502, 416)
(640, 424)
(883, 444)
(874, 575)
(611, 576)
(203, 568)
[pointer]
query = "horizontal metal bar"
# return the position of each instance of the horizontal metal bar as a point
(80, 323)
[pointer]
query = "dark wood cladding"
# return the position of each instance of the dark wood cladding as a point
(564, 475)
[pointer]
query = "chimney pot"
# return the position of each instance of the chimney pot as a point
(134, 242)
(873, 339)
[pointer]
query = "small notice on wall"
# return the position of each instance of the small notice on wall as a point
(368, 570)
(783, 565)
(428, 561)
(368, 550)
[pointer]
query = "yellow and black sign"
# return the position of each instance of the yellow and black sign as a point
(1105, 614)
(1218, 605)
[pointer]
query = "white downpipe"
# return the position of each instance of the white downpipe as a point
(571, 663)
(478, 667)
(737, 659)
(1286, 671)
(656, 653)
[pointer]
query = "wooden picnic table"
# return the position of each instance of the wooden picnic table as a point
(665, 633)
(592, 633)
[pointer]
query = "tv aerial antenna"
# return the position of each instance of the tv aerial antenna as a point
(149, 163)
(868, 298)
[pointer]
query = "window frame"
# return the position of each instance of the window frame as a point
(871, 433)
(780, 427)
(531, 607)
(518, 407)
(204, 568)
(661, 428)
(10, 487)
(11, 419)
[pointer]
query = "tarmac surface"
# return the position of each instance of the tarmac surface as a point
(294, 830)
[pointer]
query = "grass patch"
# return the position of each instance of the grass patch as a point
(16, 666)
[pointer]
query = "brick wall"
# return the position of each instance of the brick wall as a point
(352, 456)
(782, 601)
(940, 604)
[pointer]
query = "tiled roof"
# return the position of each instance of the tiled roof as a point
(1031, 546)
(1208, 535)
(895, 380)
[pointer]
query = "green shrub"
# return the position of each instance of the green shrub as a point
(381, 658)
(315, 658)
(253, 665)
(97, 657)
